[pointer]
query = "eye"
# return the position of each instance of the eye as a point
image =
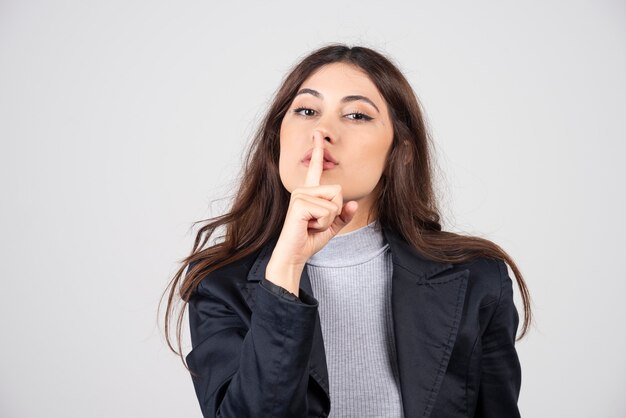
(357, 116)
(360, 116)
(300, 109)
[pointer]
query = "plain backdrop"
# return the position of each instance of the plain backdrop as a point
(122, 122)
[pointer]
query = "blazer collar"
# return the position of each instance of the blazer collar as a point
(426, 307)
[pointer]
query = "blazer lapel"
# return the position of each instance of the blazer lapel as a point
(426, 308)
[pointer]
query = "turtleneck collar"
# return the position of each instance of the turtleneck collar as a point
(352, 248)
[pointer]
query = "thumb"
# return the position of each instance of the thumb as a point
(347, 213)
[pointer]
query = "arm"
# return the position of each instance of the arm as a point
(501, 371)
(261, 371)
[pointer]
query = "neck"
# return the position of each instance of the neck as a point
(350, 249)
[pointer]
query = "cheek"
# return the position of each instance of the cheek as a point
(363, 170)
(370, 158)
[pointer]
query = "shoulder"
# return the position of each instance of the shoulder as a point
(486, 278)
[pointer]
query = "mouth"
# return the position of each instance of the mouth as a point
(326, 164)
(329, 160)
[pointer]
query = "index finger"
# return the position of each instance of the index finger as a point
(316, 165)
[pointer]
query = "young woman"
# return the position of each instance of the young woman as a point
(334, 290)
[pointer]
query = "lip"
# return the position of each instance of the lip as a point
(328, 157)
(326, 164)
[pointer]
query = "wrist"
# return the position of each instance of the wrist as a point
(284, 274)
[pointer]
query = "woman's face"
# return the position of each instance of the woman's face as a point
(341, 102)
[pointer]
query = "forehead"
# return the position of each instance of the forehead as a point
(340, 79)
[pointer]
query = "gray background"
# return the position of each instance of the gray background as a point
(123, 121)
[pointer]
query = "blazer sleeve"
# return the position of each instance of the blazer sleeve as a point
(279, 290)
(500, 381)
(260, 371)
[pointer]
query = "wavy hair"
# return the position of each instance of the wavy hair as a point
(405, 199)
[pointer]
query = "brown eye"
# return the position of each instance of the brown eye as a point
(360, 116)
(300, 109)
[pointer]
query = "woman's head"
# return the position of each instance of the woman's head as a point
(379, 160)
(341, 102)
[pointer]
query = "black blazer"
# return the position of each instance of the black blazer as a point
(262, 355)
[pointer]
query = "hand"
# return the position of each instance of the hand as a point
(316, 213)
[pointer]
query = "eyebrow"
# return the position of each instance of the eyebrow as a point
(346, 99)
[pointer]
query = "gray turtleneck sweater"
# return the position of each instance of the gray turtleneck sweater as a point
(351, 279)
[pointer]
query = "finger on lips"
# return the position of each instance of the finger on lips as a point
(316, 165)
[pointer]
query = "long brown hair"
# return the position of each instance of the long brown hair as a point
(405, 200)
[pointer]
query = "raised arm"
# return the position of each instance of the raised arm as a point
(263, 371)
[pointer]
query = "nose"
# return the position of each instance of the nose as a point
(326, 126)
(326, 135)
